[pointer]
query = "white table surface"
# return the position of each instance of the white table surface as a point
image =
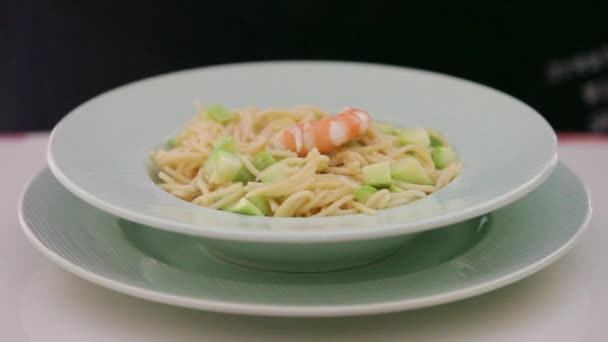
(567, 301)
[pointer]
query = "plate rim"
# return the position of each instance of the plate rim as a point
(343, 234)
(299, 310)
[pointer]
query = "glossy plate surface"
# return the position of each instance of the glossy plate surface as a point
(438, 266)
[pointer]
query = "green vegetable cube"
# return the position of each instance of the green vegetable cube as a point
(225, 143)
(387, 129)
(261, 203)
(443, 156)
(245, 207)
(377, 175)
(221, 167)
(276, 173)
(414, 136)
(409, 170)
(263, 160)
(219, 113)
(363, 193)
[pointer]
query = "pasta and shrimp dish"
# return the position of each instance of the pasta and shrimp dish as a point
(302, 162)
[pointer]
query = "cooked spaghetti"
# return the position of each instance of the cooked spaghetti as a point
(301, 162)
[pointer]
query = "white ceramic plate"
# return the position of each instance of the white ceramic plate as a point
(100, 150)
(438, 266)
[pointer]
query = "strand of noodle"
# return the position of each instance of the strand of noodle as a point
(218, 193)
(411, 186)
(321, 183)
(275, 113)
(268, 131)
(373, 200)
(175, 175)
(179, 168)
(166, 178)
(383, 201)
(447, 175)
(202, 186)
(289, 205)
(312, 203)
(273, 205)
(232, 198)
(325, 198)
(333, 195)
(339, 170)
(302, 179)
(400, 201)
(366, 140)
(198, 176)
(380, 156)
(181, 194)
(330, 176)
(176, 157)
(408, 193)
(349, 182)
(334, 206)
(371, 148)
(404, 197)
(190, 171)
(341, 212)
(246, 123)
(182, 187)
(328, 184)
(282, 154)
(197, 146)
(249, 166)
(356, 157)
(206, 130)
(292, 161)
(254, 146)
(420, 153)
(250, 186)
(283, 188)
(362, 208)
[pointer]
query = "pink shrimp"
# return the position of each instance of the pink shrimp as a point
(324, 134)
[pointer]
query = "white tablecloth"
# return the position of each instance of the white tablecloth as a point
(567, 301)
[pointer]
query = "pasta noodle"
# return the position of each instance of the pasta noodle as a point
(311, 184)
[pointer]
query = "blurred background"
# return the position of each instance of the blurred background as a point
(56, 54)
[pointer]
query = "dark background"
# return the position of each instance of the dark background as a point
(57, 54)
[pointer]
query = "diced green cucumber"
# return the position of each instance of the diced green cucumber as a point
(435, 142)
(393, 188)
(244, 176)
(225, 143)
(413, 136)
(221, 167)
(219, 113)
(443, 156)
(173, 142)
(377, 175)
(276, 173)
(245, 207)
(263, 160)
(409, 170)
(363, 193)
(262, 203)
(386, 129)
